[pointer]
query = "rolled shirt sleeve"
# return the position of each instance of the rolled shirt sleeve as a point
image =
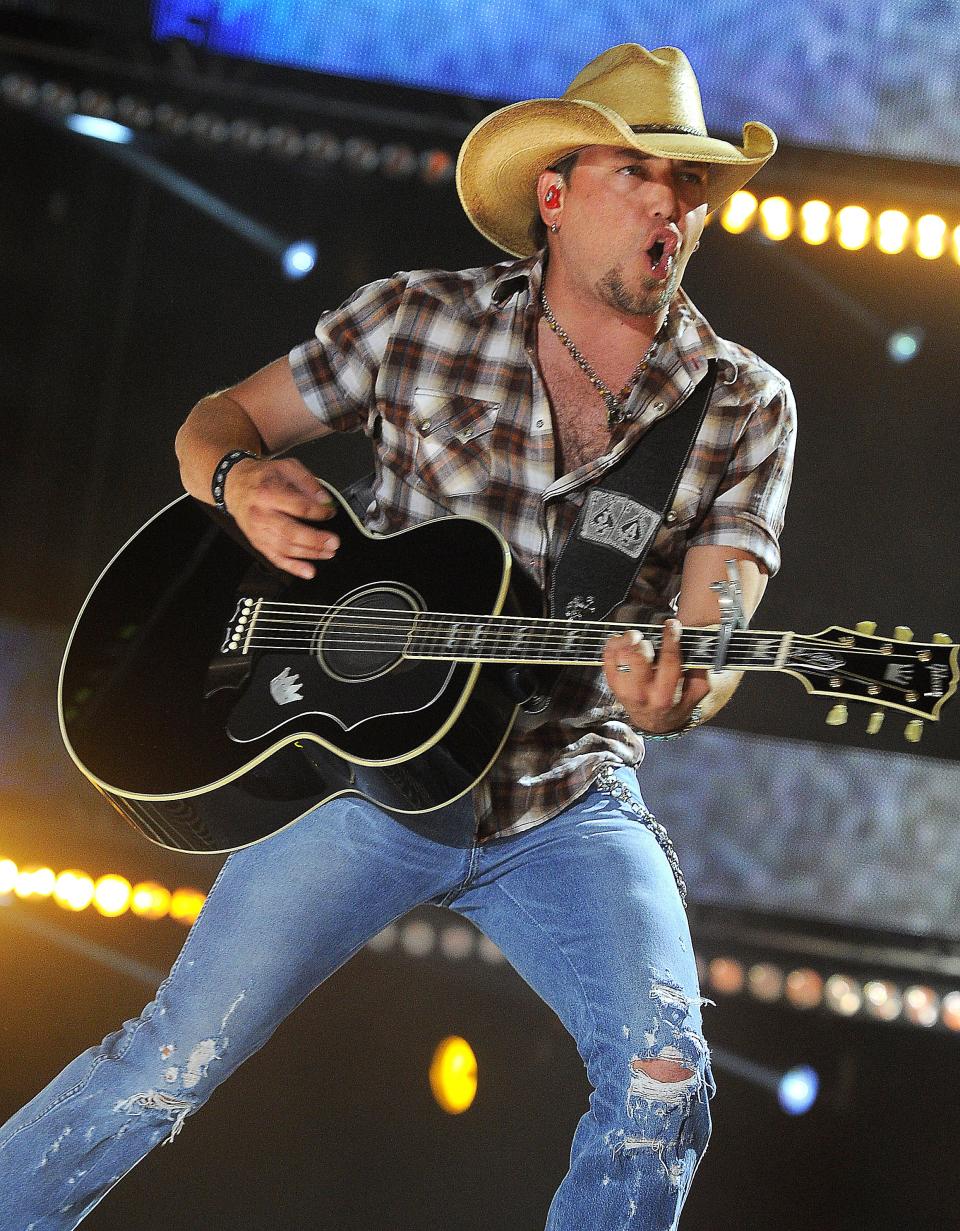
(748, 509)
(336, 370)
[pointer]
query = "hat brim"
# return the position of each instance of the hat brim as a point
(503, 156)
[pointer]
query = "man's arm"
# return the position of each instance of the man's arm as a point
(270, 500)
(660, 697)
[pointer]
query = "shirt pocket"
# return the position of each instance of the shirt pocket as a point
(452, 441)
(683, 512)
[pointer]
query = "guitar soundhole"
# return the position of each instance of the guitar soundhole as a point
(366, 632)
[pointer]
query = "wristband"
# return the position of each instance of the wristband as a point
(224, 466)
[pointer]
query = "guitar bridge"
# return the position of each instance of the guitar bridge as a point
(238, 630)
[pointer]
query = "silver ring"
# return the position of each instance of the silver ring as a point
(623, 666)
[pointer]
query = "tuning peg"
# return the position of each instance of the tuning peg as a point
(875, 722)
(837, 716)
(902, 633)
(942, 639)
(913, 730)
(869, 627)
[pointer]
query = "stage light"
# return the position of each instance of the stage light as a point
(134, 112)
(150, 900)
(739, 212)
(815, 222)
(322, 148)
(436, 166)
(489, 952)
(798, 1089)
(457, 943)
(171, 121)
(111, 895)
(284, 141)
(804, 988)
(186, 904)
(882, 999)
(956, 244)
(950, 1011)
(930, 239)
(35, 882)
(360, 154)
(103, 130)
(299, 259)
(385, 940)
(921, 1005)
(893, 231)
(765, 981)
(726, 976)
(57, 98)
(417, 938)
(453, 1075)
(8, 876)
(904, 345)
(776, 217)
(843, 995)
(73, 890)
(853, 227)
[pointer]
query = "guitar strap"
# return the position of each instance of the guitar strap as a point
(606, 548)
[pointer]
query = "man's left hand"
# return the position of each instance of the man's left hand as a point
(658, 696)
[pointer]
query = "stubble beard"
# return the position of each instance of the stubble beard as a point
(648, 300)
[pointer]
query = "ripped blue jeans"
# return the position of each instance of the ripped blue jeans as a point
(585, 907)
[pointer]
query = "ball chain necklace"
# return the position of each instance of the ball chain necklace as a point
(614, 402)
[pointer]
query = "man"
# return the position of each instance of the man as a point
(508, 393)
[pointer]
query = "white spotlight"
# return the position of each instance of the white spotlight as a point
(299, 258)
(904, 344)
(102, 129)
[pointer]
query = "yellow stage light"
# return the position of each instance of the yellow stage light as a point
(73, 890)
(930, 241)
(726, 976)
(853, 227)
(776, 217)
(8, 875)
(893, 231)
(150, 900)
(111, 895)
(185, 905)
(739, 211)
(815, 222)
(35, 882)
(453, 1075)
(956, 244)
(804, 988)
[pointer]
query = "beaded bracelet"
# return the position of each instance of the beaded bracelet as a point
(224, 466)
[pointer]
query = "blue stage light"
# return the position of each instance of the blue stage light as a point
(299, 258)
(103, 130)
(798, 1089)
(904, 345)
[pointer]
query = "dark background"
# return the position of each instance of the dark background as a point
(121, 306)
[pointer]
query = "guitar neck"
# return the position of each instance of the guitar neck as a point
(566, 643)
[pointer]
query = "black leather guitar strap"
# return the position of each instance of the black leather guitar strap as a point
(619, 520)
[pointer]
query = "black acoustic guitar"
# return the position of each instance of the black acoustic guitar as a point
(214, 700)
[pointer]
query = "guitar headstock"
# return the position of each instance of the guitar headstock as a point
(888, 673)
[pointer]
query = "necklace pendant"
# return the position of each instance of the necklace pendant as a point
(614, 409)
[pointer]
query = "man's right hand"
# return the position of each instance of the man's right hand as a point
(271, 500)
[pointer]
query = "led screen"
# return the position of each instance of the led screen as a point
(878, 78)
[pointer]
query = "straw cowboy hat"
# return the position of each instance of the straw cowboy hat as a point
(627, 96)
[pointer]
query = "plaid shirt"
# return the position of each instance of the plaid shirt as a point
(438, 369)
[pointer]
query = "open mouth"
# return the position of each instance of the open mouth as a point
(661, 251)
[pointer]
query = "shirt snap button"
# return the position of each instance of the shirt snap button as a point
(425, 427)
(658, 405)
(671, 517)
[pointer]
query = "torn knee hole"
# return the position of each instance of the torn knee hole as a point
(667, 1071)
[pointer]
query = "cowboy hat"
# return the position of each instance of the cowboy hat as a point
(627, 96)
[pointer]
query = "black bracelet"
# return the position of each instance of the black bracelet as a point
(224, 466)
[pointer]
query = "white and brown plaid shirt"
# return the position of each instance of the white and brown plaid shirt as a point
(439, 369)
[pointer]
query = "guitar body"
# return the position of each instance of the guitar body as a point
(207, 748)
